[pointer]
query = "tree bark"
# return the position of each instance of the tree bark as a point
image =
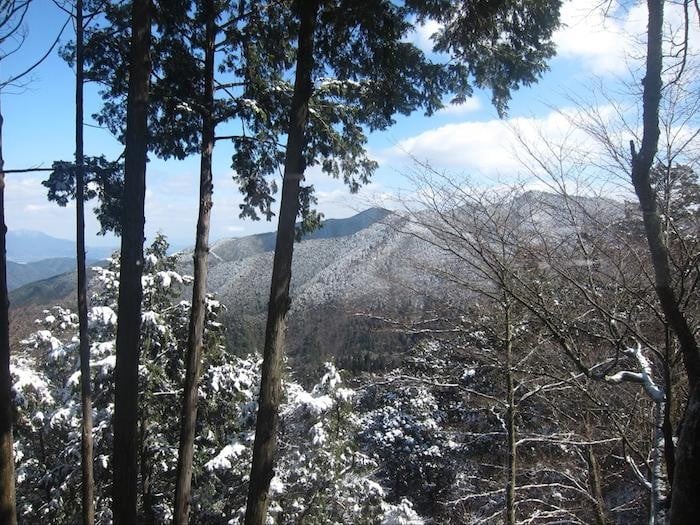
(8, 513)
(685, 505)
(195, 339)
(669, 445)
(641, 179)
(126, 377)
(595, 484)
(510, 421)
(657, 511)
(88, 484)
(264, 448)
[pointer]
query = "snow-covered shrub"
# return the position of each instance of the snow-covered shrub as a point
(321, 475)
(47, 397)
(402, 427)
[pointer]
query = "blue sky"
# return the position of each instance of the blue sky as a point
(466, 139)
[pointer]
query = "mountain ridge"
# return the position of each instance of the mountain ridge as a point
(28, 246)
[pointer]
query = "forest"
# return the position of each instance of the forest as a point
(477, 354)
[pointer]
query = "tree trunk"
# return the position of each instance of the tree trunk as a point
(510, 421)
(657, 511)
(88, 484)
(641, 178)
(195, 339)
(669, 445)
(126, 376)
(264, 448)
(685, 505)
(8, 513)
(595, 484)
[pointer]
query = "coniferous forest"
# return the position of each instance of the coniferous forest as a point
(474, 352)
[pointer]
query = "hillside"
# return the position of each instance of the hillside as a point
(19, 274)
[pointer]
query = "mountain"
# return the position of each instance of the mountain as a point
(19, 274)
(350, 281)
(241, 247)
(25, 246)
(342, 276)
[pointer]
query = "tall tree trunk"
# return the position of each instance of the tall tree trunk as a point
(195, 339)
(641, 178)
(264, 448)
(126, 375)
(510, 421)
(657, 511)
(595, 483)
(669, 445)
(85, 384)
(685, 505)
(8, 513)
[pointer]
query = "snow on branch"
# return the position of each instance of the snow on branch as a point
(644, 377)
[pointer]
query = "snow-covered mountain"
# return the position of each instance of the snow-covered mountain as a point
(350, 279)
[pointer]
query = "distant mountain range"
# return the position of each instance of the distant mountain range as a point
(33, 256)
(19, 274)
(25, 246)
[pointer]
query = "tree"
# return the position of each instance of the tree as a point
(489, 240)
(12, 15)
(379, 75)
(684, 505)
(47, 403)
(264, 448)
(322, 474)
(86, 458)
(667, 65)
(195, 339)
(130, 289)
(182, 122)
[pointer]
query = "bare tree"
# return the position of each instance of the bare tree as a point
(649, 154)
(490, 239)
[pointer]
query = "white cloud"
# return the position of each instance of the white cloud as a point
(422, 34)
(609, 38)
(604, 40)
(487, 148)
(36, 207)
(470, 105)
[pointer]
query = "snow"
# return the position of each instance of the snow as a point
(276, 486)
(401, 514)
(103, 315)
(318, 434)
(27, 381)
(149, 317)
(315, 405)
(106, 364)
(166, 278)
(468, 374)
(62, 415)
(46, 337)
(222, 461)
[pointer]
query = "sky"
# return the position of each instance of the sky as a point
(594, 49)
